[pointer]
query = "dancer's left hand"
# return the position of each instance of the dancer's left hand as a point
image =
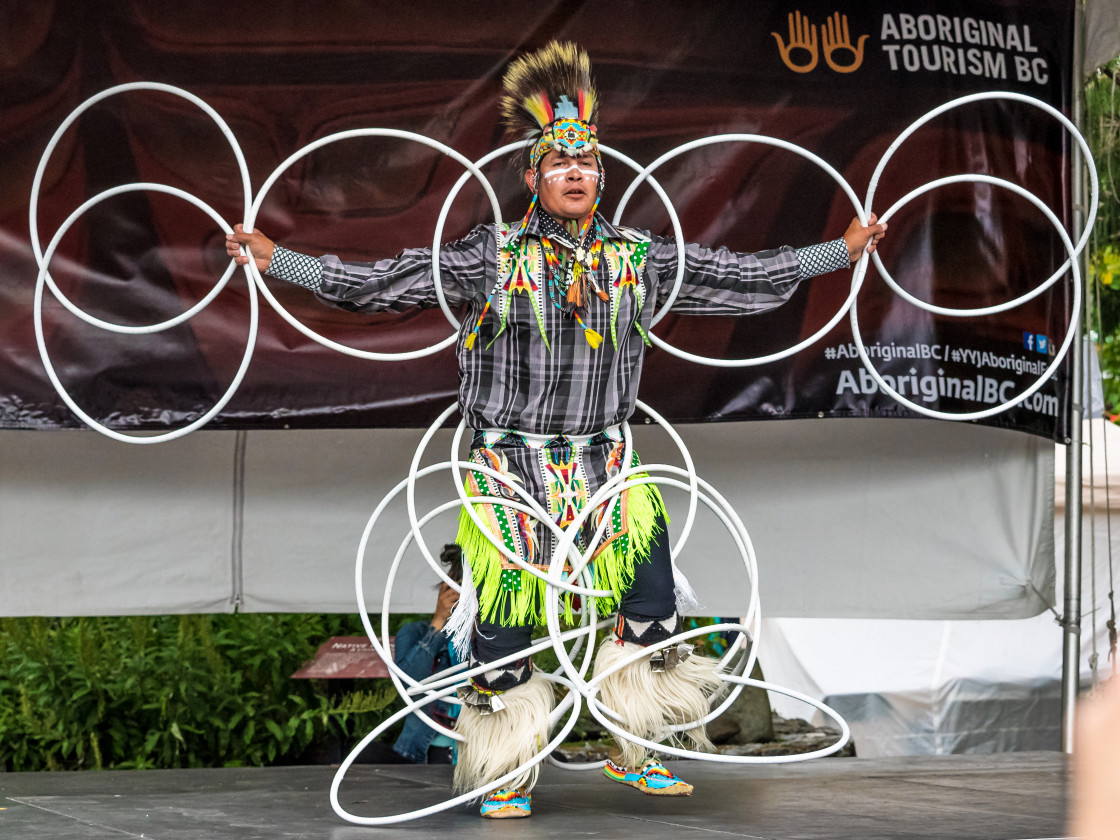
(859, 238)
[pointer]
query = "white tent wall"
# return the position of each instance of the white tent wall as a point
(924, 687)
(921, 687)
(89, 526)
(850, 518)
(1102, 32)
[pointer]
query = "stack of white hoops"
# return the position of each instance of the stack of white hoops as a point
(574, 647)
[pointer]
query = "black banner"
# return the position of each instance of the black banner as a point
(839, 79)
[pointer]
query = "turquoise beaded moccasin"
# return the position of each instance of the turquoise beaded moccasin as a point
(507, 804)
(651, 778)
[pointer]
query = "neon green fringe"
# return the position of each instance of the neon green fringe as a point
(613, 568)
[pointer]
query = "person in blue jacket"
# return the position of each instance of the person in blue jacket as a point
(422, 648)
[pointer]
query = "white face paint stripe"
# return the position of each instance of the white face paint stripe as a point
(563, 173)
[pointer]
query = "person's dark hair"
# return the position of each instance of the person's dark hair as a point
(452, 557)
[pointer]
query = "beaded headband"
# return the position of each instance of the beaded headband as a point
(550, 97)
(568, 136)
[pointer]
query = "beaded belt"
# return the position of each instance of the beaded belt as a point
(490, 437)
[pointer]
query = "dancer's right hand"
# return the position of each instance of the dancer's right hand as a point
(256, 243)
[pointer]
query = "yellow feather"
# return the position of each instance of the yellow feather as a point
(537, 105)
(590, 105)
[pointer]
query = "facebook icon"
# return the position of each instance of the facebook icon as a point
(1028, 340)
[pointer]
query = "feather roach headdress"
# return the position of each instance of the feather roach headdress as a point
(550, 96)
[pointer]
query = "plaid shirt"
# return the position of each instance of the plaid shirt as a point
(512, 380)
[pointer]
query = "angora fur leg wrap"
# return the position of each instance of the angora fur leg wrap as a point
(500, 742)
(649, 701)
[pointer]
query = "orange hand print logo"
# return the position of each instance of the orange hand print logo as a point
(836, 38)
(802, 36)
(835, 42)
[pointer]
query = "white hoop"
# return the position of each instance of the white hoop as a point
(1050, 370)
(40, 338)
(857, 276)
(347, 135)
(981, 97)
(121, 328)
(451, 196)
(980, 310)
(37, 182)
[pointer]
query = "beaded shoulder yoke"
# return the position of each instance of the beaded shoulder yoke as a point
(523, 268)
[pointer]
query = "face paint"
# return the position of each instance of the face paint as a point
(566, 187)
(563, 173)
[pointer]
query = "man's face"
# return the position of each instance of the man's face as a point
(567, 185)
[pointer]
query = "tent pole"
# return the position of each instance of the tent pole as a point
(1071, 646)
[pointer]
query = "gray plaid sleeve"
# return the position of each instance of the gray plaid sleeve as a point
(823, 258)
(406, 280)
(293, 267)
(718, 281)
(395, 283)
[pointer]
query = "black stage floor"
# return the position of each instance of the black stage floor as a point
(1017, 796)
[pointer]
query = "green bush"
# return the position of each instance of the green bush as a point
(190, 691)
(173, 691)
(1102, 123)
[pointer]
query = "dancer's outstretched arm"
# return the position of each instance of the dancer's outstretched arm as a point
(726, 282)
(395, 283)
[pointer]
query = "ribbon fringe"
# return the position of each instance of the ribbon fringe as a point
(613, 567)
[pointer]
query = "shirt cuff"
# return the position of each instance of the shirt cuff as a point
(823, 258)
(293, 267)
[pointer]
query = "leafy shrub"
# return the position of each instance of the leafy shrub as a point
(172, 691)
(1102, 122)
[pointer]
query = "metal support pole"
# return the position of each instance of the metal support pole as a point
(1071, 610)
(1071, 642)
